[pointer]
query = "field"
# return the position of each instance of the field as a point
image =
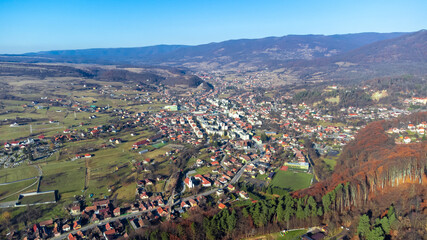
(331, 162)
(333, 99)
(18, 173)
(379, 94)
(7, 191)
(291, 180)
(40, 198)
(65, 176)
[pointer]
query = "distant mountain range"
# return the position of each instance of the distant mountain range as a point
(244, 50)
(307, 57)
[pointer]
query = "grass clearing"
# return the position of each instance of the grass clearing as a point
(39, 198)
(331, 162)
(65, 176)
(291, 180)
(333, 99)
(109, 167)
(17, 173)
(15, 187)
(376, 96)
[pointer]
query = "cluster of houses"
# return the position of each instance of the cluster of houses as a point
(409, 133)
(71, 228)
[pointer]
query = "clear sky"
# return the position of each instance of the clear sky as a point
(38, 25)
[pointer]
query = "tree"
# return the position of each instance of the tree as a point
(319, 211)
(326, 201)
(385, 224)
(164, 236)
(300, 210)
(264, 137)
(231, 221)
(289, 212)
(375, 234)
(193, 230)
(364, 225)
(312, 203)
(5, 219)
(280, 212)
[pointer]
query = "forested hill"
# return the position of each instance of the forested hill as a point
(374, 166)
(226, 54)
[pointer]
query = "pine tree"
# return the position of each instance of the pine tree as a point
(364, 225)
(319, 211)
(385, 224)
(326, 201)
(312, 203)
(375, 234)
(280, 213)
(164, 236)
(231, 221)
(300, 211)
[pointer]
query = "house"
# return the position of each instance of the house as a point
(316, 236)
(206, 183)
(66, 228)
(406, 140)
(184, 204)
(162, 212)
(101, 203)
(243, 194)
(71, 237)
(231, 187)
(75, 210)
(46, 223)
(116, 212)
(90, 208)
(109, 234)
(192, 202)
(76, 225)
(215, 163)
(139, 144)
(221, 206)
(189, 182)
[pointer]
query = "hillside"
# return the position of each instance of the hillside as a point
(145, 75)
(223, 55)
(406, 54)
(374, 166)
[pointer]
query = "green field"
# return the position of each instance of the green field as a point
(291, 180)
(331, 162)
(65, 176)
(18, 173)
(46, 197)
(9, 189)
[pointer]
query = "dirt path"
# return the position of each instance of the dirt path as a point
(87, 175)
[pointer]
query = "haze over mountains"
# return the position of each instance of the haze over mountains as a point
(316, 58)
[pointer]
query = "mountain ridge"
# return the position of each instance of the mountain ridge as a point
(239, 50)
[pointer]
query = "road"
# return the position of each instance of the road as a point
(240, 172)
(200, 194)
(222, 162)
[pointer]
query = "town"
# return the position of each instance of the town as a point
(111, 158)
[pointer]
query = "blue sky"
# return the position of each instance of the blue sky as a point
(38, 25)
